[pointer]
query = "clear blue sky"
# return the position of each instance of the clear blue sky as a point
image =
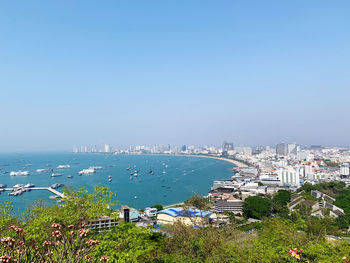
(178, 72)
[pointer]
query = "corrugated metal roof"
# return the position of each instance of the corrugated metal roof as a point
(178, 211)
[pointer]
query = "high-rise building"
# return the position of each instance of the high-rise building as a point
(344, 169)
(289, 177)
(183, 148)
(107, 148)
(281, 149)
(291, 148)
(226, 147)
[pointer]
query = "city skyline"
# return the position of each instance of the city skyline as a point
(173, 73)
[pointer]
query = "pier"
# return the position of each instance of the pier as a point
(54, 191)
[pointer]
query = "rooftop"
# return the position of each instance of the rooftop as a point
(178, 211)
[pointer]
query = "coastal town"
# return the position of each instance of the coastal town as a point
(257, 171)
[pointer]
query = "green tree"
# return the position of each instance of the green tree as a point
(158, 206)
(256, 207)
(198, 202)
(127, 243)
(282, 197)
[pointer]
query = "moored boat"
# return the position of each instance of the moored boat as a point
(19, 173)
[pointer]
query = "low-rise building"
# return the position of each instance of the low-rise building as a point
(104, 222)
(234, 206)
(129, 214)
(151, 211)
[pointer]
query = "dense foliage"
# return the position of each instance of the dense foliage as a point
(288, 237)
(256, 207)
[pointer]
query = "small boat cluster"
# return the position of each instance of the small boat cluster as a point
(89, 170)
(19, 173)
(19, 189)
(54, 186)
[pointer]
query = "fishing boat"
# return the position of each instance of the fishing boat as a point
(69, 176)
(128, 168)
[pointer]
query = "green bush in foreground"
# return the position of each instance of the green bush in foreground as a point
(296, 238)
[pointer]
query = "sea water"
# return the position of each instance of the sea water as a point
(175, 178)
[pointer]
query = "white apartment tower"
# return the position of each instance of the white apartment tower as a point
(344, 169)
(107, 148)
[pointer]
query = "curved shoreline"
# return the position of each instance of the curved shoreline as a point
(235, 162)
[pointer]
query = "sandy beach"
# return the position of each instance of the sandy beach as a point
(235, 162)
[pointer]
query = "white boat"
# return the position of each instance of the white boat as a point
(18, 186)
(87, 171)
(19, 173)
(64, 166)
(29, 186)
(55, 175)
(18, 192)
(54, 186)
(43, 170)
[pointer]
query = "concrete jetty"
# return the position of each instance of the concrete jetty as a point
(39, 188)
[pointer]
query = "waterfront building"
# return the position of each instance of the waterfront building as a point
(151, 211)
(107, 148)
(227, 146)
(243, 150)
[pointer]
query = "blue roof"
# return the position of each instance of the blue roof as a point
(178, 211)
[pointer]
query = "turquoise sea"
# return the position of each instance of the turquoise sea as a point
(175, 178)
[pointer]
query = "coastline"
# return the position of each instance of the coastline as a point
(235, 162)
